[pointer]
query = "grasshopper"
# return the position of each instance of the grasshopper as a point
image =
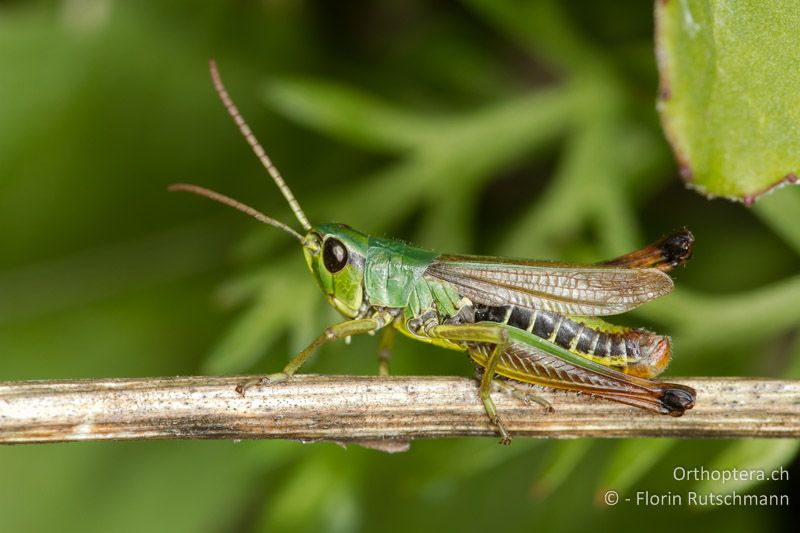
(528, 322)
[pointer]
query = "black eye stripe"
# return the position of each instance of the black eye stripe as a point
(334, 255)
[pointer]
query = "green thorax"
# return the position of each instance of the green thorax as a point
(394, 277)
(393, 270)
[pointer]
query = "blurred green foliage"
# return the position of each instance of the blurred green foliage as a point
(486, 126)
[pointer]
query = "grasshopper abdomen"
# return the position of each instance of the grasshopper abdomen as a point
(632, 351)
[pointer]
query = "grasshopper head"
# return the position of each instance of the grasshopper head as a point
(335, 255)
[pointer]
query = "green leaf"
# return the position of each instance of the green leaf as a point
(729, 99)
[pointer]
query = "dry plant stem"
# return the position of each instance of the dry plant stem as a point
(368, 410)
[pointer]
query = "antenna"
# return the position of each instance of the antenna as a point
(244, 208)
(233, 111)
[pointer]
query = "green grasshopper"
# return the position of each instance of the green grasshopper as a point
(530, 322)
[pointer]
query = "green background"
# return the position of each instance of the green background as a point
(482, 126)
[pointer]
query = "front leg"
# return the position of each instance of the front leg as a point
(337, 331)
(481, 333)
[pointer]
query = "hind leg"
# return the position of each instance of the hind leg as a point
(488, 334)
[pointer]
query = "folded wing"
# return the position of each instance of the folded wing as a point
(584, 290)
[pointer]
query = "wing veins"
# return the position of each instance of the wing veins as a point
(605, 290)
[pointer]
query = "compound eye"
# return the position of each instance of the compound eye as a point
(334, 255)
